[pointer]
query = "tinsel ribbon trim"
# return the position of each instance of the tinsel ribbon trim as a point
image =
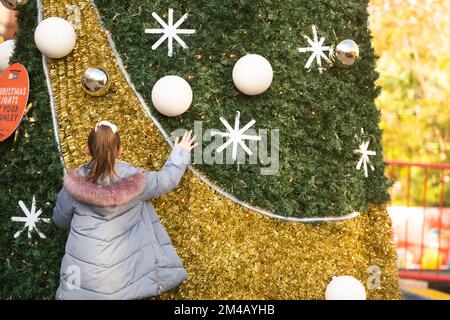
(50, 93)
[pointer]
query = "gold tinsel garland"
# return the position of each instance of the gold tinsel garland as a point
(229, 252)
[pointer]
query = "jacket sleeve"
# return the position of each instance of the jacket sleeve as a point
(160, 182)
(64, 208)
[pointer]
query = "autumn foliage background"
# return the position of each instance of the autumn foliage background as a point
(411, 38)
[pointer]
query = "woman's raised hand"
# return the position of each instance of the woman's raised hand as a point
(187, 141)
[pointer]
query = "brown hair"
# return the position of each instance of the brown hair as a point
(103, 145)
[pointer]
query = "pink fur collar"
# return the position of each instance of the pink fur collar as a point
(117, 194)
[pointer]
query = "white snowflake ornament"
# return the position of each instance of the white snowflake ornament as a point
(30, 219)
(364, 161)
(316, 48)
(236, 136)
(169, 31)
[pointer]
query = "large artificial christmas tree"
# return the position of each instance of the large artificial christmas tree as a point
(227, 221)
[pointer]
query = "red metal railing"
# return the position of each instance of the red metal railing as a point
(407, 243)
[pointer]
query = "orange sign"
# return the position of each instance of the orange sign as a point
(14, 89)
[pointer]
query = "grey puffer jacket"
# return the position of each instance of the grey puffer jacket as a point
(117, 247)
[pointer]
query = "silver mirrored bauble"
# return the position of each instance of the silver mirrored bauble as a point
(95, 81)
(346, 53)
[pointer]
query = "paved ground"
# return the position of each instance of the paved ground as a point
(412, 296)
(422, 290)
(424, 294)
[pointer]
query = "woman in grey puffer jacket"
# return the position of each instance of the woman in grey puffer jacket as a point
(117, 248)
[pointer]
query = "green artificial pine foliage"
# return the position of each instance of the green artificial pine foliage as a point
(29, 268)
(319, 116)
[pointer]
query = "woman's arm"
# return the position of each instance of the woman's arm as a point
(63, 211)
(160, 182)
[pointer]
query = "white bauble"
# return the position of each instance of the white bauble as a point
(252, 74)
(345, 288)
(55, 37)
(172, 96)
(6, 51)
